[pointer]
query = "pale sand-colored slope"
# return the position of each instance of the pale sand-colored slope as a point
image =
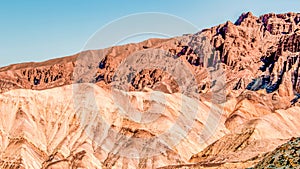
(258, 135)
(247, 144)
(42, 127)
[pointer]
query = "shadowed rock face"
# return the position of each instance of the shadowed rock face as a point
(259, 56)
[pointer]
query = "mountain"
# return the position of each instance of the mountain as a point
(224, 97)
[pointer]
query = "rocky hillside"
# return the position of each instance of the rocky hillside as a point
(287, 155)
(240, 85)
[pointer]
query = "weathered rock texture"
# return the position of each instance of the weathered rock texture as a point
(286, 155)
(259, 100)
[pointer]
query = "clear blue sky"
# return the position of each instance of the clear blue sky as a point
(37, 30)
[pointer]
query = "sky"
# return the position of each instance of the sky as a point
(36, 30)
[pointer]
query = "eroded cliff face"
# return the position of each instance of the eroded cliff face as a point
(259, 98)
(257, 53)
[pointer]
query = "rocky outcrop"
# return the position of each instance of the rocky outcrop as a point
(286, 155)
(155, 79)
(278, 24)
(38, 76)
